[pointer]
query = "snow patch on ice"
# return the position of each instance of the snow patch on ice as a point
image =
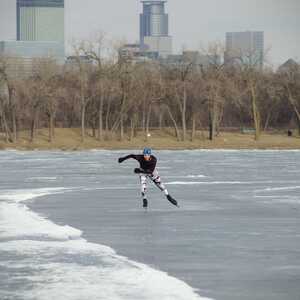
(81, 270)
(18, 222)
(60, 264)
(28, 194)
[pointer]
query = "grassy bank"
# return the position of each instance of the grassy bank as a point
(70, 139)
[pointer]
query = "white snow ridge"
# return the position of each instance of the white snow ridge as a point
(50, 261)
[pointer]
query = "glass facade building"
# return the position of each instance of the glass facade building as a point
(153, 20)
(24, 56)
(32, 49)
(40, 20)
(154, 28)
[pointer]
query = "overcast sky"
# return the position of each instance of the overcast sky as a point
(192, 22)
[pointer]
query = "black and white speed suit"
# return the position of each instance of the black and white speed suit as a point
(147, 170)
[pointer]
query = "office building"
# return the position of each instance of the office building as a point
(193, 59)
(245, 47)
(40, 20)
(22, 57)
(132, 53)
(154, 28)
(289, 66)
(39, 36)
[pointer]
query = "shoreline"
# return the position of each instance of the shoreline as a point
(70, 140)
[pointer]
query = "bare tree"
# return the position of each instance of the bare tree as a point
(99, 52)
(4, 98)
(180, 75)
(84, 69)
(50, 77)
(8, 101)
(290, 79)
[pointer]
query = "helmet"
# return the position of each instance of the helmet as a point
(147, 151)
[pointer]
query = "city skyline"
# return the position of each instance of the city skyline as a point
(191, 23)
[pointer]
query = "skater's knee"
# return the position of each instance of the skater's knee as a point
(157, 180)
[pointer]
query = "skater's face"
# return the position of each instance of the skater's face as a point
(147, 157)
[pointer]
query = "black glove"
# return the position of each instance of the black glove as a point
(120, 160)
(138, 171)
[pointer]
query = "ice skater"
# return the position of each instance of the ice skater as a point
(147, 170)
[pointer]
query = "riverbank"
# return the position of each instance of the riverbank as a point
(70, 140)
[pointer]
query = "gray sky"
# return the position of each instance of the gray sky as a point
(192, 22)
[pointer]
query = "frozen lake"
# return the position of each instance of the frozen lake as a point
(72, 227)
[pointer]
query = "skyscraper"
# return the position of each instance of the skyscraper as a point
(40, 36)
(154, 28)
(40, 20)
(245, 47)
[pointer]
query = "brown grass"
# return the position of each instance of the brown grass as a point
(70, 139)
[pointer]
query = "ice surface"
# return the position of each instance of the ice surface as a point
(60, 264)
(235, 237)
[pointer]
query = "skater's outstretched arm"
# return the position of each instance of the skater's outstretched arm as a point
(146, 166)
(121, 159)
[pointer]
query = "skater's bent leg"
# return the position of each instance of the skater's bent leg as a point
(157, 180)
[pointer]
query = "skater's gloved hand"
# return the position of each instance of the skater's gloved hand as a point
(138, 171)
(120, 160)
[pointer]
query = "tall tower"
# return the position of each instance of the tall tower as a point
(40, 20)
(154, 28)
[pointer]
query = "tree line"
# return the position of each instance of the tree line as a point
(113, 98)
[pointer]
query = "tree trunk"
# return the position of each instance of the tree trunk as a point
(82, 122)
(174, 123)
(293, 103)
(5, 128)
(107, 120)
(144, 117)
(94, 129)
(161, 116)
(267, 120)
(4, 124)
(33, 127)
(122, 115)
(297, 112)
(183, 115)
(100, 120)
(211, 125)
(132, 125)
(193, 133)
(14, 125)
(51, 127)
(220, 114)
(148, 122)
(255, 111)
(121, 127)
(12, 106)
(83, 102)
(211, 119)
